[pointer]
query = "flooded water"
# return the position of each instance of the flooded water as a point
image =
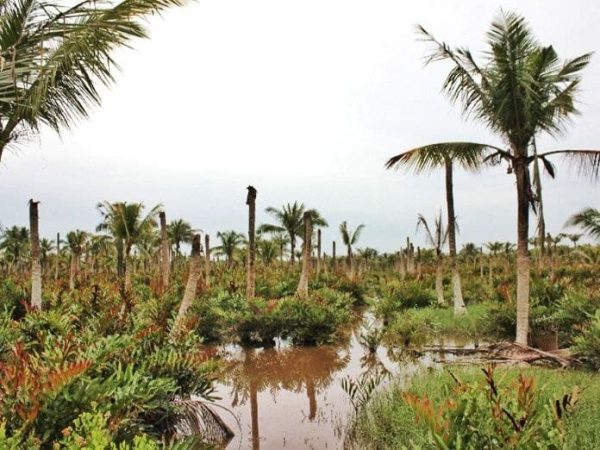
(291, 397)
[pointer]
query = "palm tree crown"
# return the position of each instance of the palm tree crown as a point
(54, 58)
(588, 220)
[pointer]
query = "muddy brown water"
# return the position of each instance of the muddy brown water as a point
(291, 396)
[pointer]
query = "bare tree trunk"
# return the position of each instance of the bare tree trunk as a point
(57, 265)
(307, 246)
(459, 303)
(191, 286)
(251, 275)
(439, 282)
(207, 262)
(165, 264)
(318, 252)
(36, 268)
(522, 175)
(333, 256)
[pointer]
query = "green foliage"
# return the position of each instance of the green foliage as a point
(313, 320)
(587, 345)
(493, 414)
(467, 411)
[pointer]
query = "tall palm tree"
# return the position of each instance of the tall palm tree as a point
(179, 231)
(230, 242)
(431, 157)
(574, 238)
(14, 242)
(290, 221)
(76, 241)
(46, 247)
(588, 219)
(128, 226)
(350, 238)
(520, 90)
(437, 239)
(54, 58)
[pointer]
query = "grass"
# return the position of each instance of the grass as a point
(389, 422)
(416, 326)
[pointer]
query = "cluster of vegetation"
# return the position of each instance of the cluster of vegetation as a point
(501, 408)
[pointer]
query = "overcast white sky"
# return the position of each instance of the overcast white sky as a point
(305, 100)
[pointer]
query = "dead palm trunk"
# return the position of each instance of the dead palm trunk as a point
(439, 281)
(36, 269)
(333, 256)
(207, 261)
(191, 286)
(251, 275)
(164, 252)
(523, 187)
(459, 303)
(305, 275)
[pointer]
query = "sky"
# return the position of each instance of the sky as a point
(305, 100)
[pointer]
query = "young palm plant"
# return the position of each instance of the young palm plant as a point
(520, 90)
(437, 239)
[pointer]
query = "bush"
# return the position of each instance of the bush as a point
(313, 320)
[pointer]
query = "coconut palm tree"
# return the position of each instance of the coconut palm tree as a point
(588, 219)
(437, 239)
(290, 220)
(574, 238)
(350, 238)
(521, 89)
(76, 241)
(54, 58)
(128, 226)
(46, 247)
(432, 157)
(230, 242)
(179, 231)
(14, 242)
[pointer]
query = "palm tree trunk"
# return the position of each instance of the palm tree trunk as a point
(521, 173)
(72, 271)
(350, 262)
(333, 256)
(459, 303)
(36, 269)
(164, 252)
(207, 262)
(439, 282)
(293, 249)
(318, 252)
(57, 265)
(251, 275)
(191, 286)
(305, 275)
(120, 262)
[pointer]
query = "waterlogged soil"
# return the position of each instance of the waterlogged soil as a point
(291, 396)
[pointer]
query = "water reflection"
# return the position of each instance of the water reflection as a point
(291, 397)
